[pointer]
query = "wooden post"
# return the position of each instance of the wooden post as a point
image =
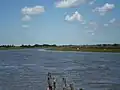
(71, 87)
(80, 89)
(64, 83)
(49, 81)
(54, 83)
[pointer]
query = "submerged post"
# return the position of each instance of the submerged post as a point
(54, 83)
(49, 81)
(64, 81)
(80, 89)
(71, 87)
(64, 84)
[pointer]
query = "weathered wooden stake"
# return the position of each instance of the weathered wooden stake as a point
(49, 81)
(64, 84)
(54, 83)
(80, 89)
(71, 87)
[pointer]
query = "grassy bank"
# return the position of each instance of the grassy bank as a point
(60, 48)
(10, 48)
(86, 49)
(18, 48)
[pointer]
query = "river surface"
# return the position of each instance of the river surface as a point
(27, 69)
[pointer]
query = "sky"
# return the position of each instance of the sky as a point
(59, 22)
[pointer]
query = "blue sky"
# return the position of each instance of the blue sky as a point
(59, 21)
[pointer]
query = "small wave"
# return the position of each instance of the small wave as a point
(51, 68)
(7, 66)
(75, 67)
(42, 50)
(29, 64)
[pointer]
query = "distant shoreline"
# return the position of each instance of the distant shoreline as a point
(67, 49)
(86, 49)
(79, 48)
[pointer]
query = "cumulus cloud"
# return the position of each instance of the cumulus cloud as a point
(28, 11)
(106, 25)
(91, 28)
(93, 25)
(75, 17)
(84, 22)
(104, 9)
(86, 27)
(25, 26)
(90, 32)
(112, 20)
(26, 18)
(33, 10)
(92, 2)
(68, 3)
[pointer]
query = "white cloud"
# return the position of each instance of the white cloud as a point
(93, 24)
(84, 22)
(28, 11)
(106, 25)
(75, 17)
(65, 13)
(26, 18)
(86, 27)
(68, 3)
(91, 28)
(90, 32)
(112, 20)
(25, 26)
(102, 10)
(33, 10)
(92, 2)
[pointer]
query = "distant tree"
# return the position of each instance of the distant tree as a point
(115, 44)
(29, 46)
(104, 45)
(46, 45)
(99, 45)
(36, 45)
(54, 45)
(22, 45)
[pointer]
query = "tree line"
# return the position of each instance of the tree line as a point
(74, 46)
(29, 46)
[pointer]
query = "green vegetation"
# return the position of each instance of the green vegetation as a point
(82, 48)
(87, 49)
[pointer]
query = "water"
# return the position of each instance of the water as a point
(27, 69)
